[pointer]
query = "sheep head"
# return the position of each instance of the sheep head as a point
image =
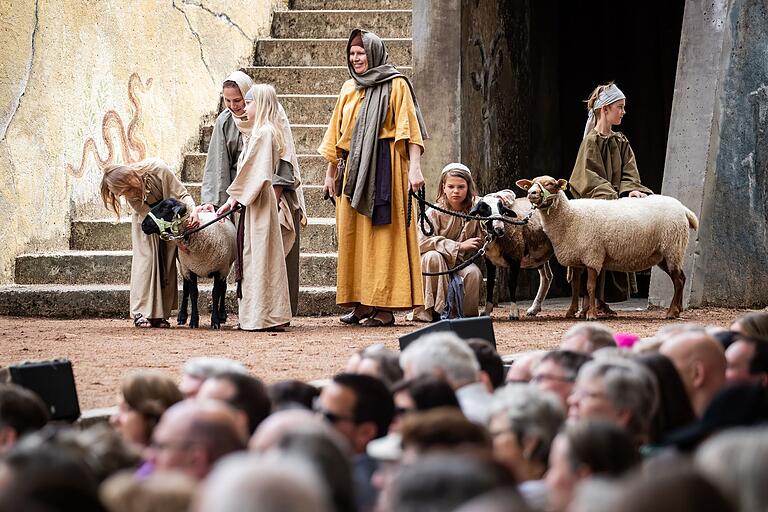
(165, 218)
(494, 204)
(543, 190)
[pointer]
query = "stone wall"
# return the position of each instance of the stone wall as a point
(83, 84)
(717, 155)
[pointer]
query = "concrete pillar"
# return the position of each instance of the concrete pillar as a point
(717, 153)
(437, 81)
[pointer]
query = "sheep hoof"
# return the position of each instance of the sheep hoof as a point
(194, 323)
(581, 314)
(571, 313)
(672, 314)
(215, 326)
(532, 311)
(181, 319)
(514, 315)
(591, 315)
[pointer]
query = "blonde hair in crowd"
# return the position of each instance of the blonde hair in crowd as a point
(125, 180)
(266, 113)
(593, 97)
(471, 188)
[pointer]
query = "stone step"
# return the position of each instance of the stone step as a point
(349, 4)
(114, 267)
(309, 108)
(320, 52)
(112, 301)
(107, 235)
(312, 166)
(314, 24)
(307, 138)
(205, 137)
(306, 79)
(317, 206)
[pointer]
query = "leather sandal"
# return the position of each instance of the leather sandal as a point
(372, 321)
(352, 319)
(141, 321)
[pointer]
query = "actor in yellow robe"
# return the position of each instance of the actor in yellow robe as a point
(154, 290)
(379, 264)
(264, 301)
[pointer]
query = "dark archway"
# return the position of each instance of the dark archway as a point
(522, 110)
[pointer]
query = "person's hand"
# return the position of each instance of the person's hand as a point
(329, 187)
(415, 178)
(231, 202)
(637, 193)
(194, 220)
(471, 244)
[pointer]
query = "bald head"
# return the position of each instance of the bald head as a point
(192, 435)
(700, 361)
(272, 429)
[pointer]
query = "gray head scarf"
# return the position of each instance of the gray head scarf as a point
(377, 79)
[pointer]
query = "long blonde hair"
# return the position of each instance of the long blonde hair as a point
(471, 188)
(125, 179)
(266, 113)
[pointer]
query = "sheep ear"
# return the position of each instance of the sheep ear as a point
(563, 184)
(177, 209)
(524, 184)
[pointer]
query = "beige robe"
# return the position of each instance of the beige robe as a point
(154, 289)
(377, 265)
(440, 252)
(266, 301)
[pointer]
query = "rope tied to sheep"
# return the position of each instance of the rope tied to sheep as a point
(465, 263)
(173, 230)
(423, 204)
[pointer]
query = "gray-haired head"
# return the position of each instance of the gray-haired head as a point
(532, 414)
(268, 483)
(628, 387)
(443, 354)
(587, 337)
(735, 462)
(204, 367)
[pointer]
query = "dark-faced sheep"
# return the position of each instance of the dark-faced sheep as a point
(514, 247)
(627, 235)
(206, 253)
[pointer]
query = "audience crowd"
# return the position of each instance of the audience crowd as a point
(605, 422)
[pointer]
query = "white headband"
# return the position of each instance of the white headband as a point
(610, 94)
(455, 167)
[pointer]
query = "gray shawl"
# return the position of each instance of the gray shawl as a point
(360, 186)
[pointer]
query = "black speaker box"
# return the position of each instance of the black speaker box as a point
(465, 328)
(54, 382)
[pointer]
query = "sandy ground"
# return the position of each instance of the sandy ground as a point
(102, 350)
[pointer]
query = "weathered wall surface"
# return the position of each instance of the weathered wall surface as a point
(717, 157)
(83, 84)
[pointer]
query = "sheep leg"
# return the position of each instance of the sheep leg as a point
(215, 293)
(490, 284)
(223, 302)
(545, 279)
(575, 292)
(678, 281)
(181, 319)
(514, 273)
(591, 287)
(194, 317)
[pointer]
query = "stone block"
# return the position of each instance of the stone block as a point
(309, 108)
(105, 235)
(101, 235)
(320, 52)
(350, 4)
(193, 167)
(337, 24)
(307, 137)
(316, 205)
(301, 79)
(72, 267)
(205, 137)
(112, 301)
(313, 169)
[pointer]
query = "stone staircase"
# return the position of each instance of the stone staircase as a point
(304, 60)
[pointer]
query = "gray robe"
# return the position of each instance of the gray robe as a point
(221, 162)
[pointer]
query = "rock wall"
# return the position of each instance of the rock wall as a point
(717, 155)
(84, 84)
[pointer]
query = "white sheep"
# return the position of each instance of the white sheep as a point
(207, 253)
(514, 247)
(627, 235)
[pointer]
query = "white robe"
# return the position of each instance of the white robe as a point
(266, 301)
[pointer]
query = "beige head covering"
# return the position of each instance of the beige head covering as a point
(244, 83)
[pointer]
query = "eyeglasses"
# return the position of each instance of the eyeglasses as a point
(548, 376)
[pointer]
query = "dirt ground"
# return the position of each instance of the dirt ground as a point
(102, 350)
